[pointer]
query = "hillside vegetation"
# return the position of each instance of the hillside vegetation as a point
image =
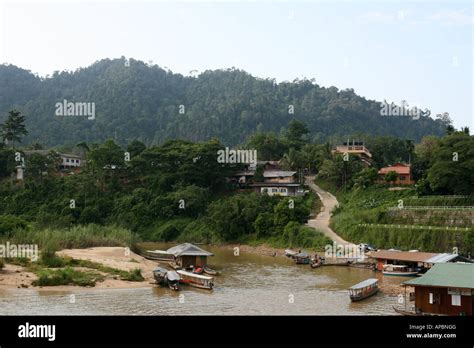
(148, 103)
(364, 216)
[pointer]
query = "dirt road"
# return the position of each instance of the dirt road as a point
(321, 222)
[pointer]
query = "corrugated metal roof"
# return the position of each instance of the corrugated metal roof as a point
(451, 275)
(442, 258)
(277, 173)
(364, 283)
(416, 256)
(188, 249)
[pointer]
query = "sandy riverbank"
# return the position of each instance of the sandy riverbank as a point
(17, 277)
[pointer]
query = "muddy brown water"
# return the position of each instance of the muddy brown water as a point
(249, 284)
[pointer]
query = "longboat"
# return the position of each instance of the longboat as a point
(196, 280)
(398, 270)
(290, 253)
(159, 274)
(165, 277)
(209, 270)
(405, 312)
(172, 280)
(158, 255)
(302, 259)
(363, 289)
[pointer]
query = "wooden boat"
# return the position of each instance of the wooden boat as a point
(165, 277)
(363, 289)
(302, 259)
(196, 280)
(398, 270)
(209, 270)
(172, 280)
(159, 255)
(405, 312)
(317, 261)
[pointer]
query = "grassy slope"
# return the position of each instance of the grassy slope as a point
(401, 229)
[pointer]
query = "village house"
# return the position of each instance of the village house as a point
(187, 255)
(68, 162)
(278, 182)
(412, 259)
(274, 181)
(356, 148)
(446, 289)
(404, 174)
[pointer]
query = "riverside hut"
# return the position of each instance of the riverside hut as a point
(187, 255)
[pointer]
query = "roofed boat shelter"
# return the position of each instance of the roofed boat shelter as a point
(187, 254)
(412, 258)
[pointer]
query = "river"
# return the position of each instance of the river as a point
(249, 284)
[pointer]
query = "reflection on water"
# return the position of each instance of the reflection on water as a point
(249, 284)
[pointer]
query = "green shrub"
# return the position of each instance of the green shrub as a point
(134, 276)
(66, 276)
(9, 223)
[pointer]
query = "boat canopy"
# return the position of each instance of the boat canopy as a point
(364, 284)
(302, 255)
(172, 275)
(189, 274)
(188, 249)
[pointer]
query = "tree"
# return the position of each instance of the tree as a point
(13, 129)
(366, 177)
(340, 172)
(268, 145)
(410, 147)
(391, 177)
(452, 166)
(37, 164)
(135, 148)
(296, 132)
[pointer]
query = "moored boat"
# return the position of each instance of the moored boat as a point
(398, 270)
(165, 277)
(159, 255)
(405, 312)
(302, 259)
(363, 289)
(317, 261)
(196, 280)
(290, 253)
(159, 274)
(209, 270)
(172, 280)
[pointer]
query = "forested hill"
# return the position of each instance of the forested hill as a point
(139, 101)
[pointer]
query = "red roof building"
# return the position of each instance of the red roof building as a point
(403, 171)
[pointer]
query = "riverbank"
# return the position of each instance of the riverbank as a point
(19, 277)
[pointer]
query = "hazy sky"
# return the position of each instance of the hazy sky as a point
(418, 51)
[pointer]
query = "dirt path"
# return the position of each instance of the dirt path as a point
(321, 222)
